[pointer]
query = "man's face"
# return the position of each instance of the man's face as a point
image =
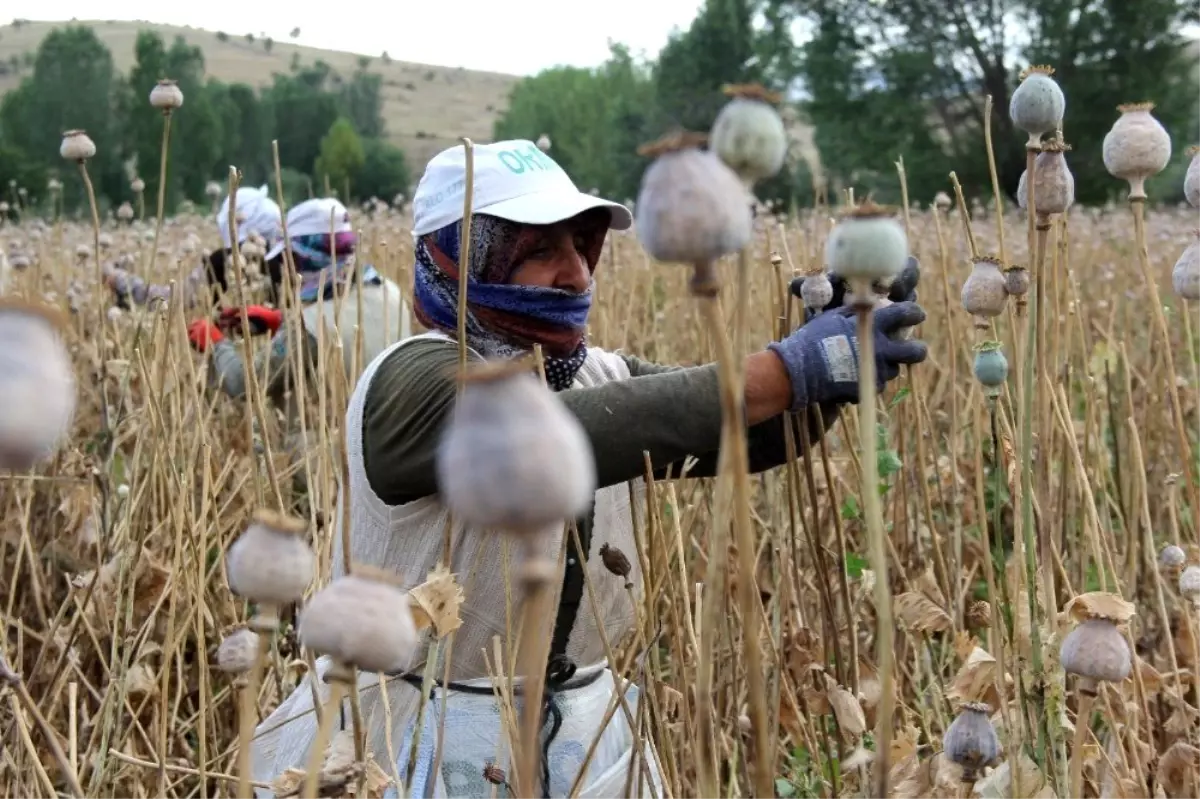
(560, 258)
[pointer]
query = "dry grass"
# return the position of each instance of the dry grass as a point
(425, 108)
(121, 666)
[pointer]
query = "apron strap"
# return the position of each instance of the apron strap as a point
(560, 668)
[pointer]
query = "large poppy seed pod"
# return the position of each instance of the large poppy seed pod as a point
(971, 740)
(271, 563)
(942, 201)
(1189, 583)
(37, 384)
(77, 146)
(748, 133)
(212, 189)
(816, 291)
(985, 290)
(125, 212)
(543, 143)
(361, 620)
(867, 246)
(166, 96)
(138, 185)
(1171, 557)
(238, 651)
(1185, 277)
(1053, 184)
(1038, 104)
(990, 367)
(1096, 651)
(691, 208)
(1137, 147)
(513, 457)
(1191, 181)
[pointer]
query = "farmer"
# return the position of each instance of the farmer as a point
(535, 243)
(259, 218)
(323, 246)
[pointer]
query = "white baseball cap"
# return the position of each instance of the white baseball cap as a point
(313, 217)
(257, 213)
(514, 180)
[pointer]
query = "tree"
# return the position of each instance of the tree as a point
(384, 172)
(910, 77)
(342, 156)
(303, 111)
(73, 85)
(361, 99)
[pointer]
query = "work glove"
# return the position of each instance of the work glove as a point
(261, 318)
(903, 288)
(821, 357)
(202, 334)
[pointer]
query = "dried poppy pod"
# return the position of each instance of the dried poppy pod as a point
(816, 291)
(513, 457)
(867, 246)
(1189, 584)
(125, 212)
(77, 146)
(1053, 184)
(166, 96)
(748, 133)
(138, 185)
(238, 651)
(37, 384)
(985, 291)
(1191, 181)
(1185, 276)
(1096, 651)
(270, 564)
(691, 208)
(971, 740)
(942, 201)
(1171, 557)
(543, 143)
(212, 189)
(990, 367)
(1038, 104)
(1016, 281)
(1137, 147)
(362, 620)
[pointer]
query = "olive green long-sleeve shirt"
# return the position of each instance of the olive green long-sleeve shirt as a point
(669, 411)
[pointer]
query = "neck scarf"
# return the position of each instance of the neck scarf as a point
(505, 320)
(315, 265)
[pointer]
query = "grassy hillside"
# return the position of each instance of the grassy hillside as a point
(426, 108)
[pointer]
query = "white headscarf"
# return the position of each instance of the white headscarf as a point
(257, 213)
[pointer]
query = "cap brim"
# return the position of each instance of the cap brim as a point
(546, 208)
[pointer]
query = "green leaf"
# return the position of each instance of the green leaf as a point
(900, 395)
(889, 463)
(783, 788)
(855, 564)
(850, 509)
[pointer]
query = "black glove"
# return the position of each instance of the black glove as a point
(903, 289)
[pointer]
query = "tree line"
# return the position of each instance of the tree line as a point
(329, 127)
(880, 81)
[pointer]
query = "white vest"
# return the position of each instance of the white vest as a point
(386, 319)
(407, 540)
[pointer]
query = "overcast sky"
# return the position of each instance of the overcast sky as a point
(519, 37)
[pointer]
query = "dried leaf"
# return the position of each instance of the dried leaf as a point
(846, 710)
(920, 614)
(140, 681)
(436, 602)
(976, 680)
(859, 758)
(997, 784)
(927, 584)
(1100, 605)
(1178, 769)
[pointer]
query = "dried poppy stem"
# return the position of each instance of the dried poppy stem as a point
(13, 680)
(162, 189)
(537, 578)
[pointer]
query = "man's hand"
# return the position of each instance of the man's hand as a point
(261, 318)
(202, 334)
(821, 358)
(903, 288)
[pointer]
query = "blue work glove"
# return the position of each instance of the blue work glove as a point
(821, 357)
(903, 288)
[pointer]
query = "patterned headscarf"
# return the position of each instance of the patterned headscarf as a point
(506, 320)
(315, 264)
